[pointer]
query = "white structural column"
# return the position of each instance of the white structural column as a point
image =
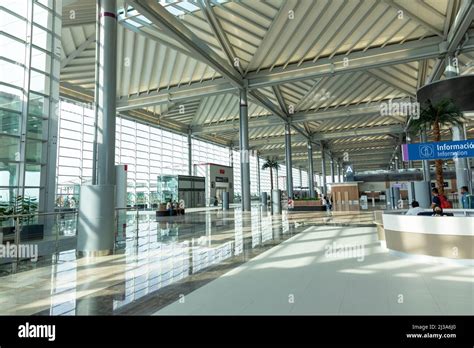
(461, 164)
(244, 151)
(338, 171)
(323, 170)
(289, 166)
(310, 171)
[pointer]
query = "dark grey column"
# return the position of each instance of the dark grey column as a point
(277, 181)
(426, 163)
(461, 164)
(332, 170)
(96, 227)
(289, 166)
(323, 170)
(310, 171)
(301, 177)
(244, 151)
(190, 154)
(107, 93)
(410, 163)
(258, 176)
(231, 155)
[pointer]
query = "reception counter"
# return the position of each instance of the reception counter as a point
(449, 237)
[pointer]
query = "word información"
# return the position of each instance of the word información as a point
(438, 150)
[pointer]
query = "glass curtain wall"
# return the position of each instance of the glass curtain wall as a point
(147, 151)
(29, 93)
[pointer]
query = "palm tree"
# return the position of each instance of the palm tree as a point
(272, 164)
(434, 116)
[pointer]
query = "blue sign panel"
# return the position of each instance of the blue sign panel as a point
(440, 150)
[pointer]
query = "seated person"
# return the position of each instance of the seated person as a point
(415, 209)
(437, 211)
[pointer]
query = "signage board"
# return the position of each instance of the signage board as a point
(438, 150)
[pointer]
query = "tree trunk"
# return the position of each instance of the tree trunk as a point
(271, 178)
(438, 162)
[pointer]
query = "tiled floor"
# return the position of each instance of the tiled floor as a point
(303, 275)
(215, 262)
(152, 267)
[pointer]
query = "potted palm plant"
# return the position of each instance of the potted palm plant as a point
(271, 164)
(434, 116)
(26, 207)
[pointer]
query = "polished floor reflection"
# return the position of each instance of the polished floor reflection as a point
(229, 262)
(152, 265)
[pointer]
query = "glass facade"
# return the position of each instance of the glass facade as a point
(29, 93)
(148, 152)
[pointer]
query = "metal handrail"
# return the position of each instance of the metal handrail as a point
(74, 211)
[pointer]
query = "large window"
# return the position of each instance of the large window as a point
(204, 152)
(147, 151)
(29, 91)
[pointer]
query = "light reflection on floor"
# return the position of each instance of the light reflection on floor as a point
(159, 254)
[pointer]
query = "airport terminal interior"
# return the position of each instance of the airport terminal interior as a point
(218, 157)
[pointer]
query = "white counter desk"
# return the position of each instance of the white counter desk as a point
(449, 237)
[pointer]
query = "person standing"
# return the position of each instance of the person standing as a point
(464, 194)
(435, 200)
(440, 200)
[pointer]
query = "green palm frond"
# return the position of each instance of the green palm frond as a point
(445, 112)
(270, 163)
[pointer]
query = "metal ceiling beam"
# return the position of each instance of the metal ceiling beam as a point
(280, 99)
(391, 84)
(461, 25)
(155, 38)
(350, 111)
(357, 61)
(359, 132)
(176, 94)
(414, 17)
(259, 98)
(77, 51)
(254, 122)
(381, 160)
(456, 33)
(295, 138)
(173, 27)
(299, 117)
(369, 147)
(382, 155)
(219, 33)
(386, 149)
